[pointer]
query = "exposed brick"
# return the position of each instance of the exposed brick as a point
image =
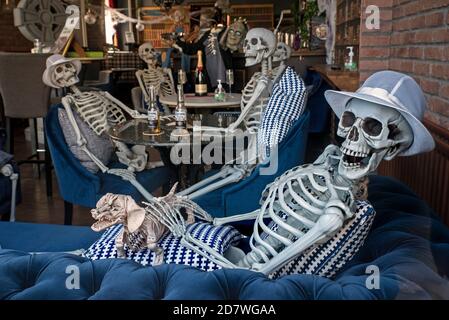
(434, 19)
(440, 71)
(416, 52)
(373, 40)
(421, 68)
(438, 105)
(375, 52)
(433, 4)
(430, 86)
(436, 53)
(440, 35)
(417, 22)
(367, 65)
(444, 91)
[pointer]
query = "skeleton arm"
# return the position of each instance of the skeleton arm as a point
(82, 143)
(80, 140)
(261, 86)
(139, 76)
(171, 83)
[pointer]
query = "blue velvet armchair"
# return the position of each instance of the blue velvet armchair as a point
(79, 186)
(244, 195)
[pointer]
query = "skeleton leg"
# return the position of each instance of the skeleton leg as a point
(8, 171)
(224, 173)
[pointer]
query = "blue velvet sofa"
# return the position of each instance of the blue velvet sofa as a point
(407, 244)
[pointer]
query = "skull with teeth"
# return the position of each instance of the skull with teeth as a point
(282, 53)
(372, 133)
(65, 75)
(148, 54)
(259, 44)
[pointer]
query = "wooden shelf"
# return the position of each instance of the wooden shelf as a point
(257, 15)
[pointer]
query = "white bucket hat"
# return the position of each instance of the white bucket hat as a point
(394, 90)
(52, 62)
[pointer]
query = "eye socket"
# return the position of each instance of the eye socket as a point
(254, 41)
(372, 127)
(347, 119)
(68, 66)
(59, 69)
(238, 33)
(147, 49)
(245, 43)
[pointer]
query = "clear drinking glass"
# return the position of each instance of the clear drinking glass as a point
(182, 77)
(230, 80)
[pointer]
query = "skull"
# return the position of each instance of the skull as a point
(148, 54)
(259, 44)
(65, 75)
(372, 133)
(282, 53)
(235, 35)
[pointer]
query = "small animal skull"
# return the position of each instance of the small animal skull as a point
(282, 53)
(65, 75)
(148, 54)
(259, 44)
(372, 133)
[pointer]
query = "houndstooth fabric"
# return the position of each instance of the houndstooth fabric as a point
(328, 258)
(287, 103)
(219, 238)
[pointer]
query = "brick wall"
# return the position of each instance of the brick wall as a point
(414, 39)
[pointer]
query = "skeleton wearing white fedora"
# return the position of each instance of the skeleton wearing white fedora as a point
(309, 204)
(259, 47)
(99, 110)
(160, 78)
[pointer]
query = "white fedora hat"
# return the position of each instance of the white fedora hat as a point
(52, 62)
(394, 90)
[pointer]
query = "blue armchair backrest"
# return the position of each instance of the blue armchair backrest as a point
(76, 184)
(244, 196)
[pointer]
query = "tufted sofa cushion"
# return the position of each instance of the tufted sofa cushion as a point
(407, 243)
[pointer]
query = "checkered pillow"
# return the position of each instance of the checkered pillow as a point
(287, 103)
(219, 238)
(328, 258)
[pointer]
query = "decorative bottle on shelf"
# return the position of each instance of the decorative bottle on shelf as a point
(153, 114)
(200, 77)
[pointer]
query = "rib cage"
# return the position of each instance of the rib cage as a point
(294, 202)
(158, 79)
(92, 109)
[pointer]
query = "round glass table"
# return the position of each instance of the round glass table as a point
(206, 102)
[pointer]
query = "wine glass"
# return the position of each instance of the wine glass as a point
(182, 77)
(230, 80)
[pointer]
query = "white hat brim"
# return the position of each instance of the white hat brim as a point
(46, 76)
(422, 139)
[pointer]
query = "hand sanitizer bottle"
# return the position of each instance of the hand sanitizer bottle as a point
(219, 92)
(350, 64)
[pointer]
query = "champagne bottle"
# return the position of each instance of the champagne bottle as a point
(153, 114)
(181, 111)
(200, 79)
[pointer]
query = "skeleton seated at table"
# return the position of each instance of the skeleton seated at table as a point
(100, 111)
(160, 78)
(259, 47)
(309, 204)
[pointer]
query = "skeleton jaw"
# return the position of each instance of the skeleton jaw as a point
(357, 164)
(253, 58)
(104, 223)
